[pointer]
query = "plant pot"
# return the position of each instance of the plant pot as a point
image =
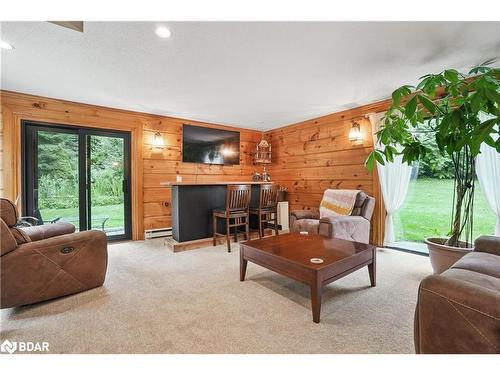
(443, 256)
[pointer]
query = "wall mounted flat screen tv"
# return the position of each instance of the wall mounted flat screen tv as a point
(210, 146)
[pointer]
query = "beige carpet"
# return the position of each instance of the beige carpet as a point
(155, 301)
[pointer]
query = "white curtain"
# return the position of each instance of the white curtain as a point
(488, 174)
(394, 179)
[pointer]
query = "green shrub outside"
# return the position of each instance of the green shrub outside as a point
(58, 170)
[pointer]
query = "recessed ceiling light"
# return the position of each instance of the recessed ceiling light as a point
(163, 32)
(5, 45)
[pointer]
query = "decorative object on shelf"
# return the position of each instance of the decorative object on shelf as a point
(256, 176)
(266, 177)
(158, 141)
(355, 135)
(263, 156)
(263, 153)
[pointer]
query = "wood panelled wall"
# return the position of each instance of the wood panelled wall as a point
(150, 167)
(315, 155)
(308, 157)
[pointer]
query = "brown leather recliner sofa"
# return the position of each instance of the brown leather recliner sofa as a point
(458, 311)
(355, 227)
(47, 261)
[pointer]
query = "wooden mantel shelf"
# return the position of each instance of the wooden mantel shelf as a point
(169, 184)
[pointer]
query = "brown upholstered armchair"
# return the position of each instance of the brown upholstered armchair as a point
(47, 261)
(355, 227)
(458, 311)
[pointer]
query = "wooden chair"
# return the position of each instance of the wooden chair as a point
(237, 209)
(268, 205)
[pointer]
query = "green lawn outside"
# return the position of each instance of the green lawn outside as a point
(114, 212)
(427, 211)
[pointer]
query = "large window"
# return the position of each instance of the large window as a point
(427, 213)
(427, 209)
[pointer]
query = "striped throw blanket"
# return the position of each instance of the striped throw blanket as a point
(337, 202)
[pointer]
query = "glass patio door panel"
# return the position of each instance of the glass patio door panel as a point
(106, 181)
(77, 175)
(55, 177)
(427, 212)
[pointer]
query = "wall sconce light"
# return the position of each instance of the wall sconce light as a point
(355, 134)
(158, 141)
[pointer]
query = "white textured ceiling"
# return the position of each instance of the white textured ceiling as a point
(250, 74)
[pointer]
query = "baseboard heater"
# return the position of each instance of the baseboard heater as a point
(158, 232)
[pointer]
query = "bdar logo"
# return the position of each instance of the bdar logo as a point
(8, 347)
(23, 346)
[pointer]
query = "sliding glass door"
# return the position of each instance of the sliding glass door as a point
(77, 175)
(427, 210)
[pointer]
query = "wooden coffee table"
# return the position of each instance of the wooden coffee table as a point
(290, 255)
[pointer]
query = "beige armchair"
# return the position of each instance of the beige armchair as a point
(355, 227)
(47, 261)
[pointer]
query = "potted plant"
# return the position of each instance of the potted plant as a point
(461, 111)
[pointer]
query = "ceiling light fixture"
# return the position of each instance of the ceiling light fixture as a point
(5, 45)
(163, 32)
